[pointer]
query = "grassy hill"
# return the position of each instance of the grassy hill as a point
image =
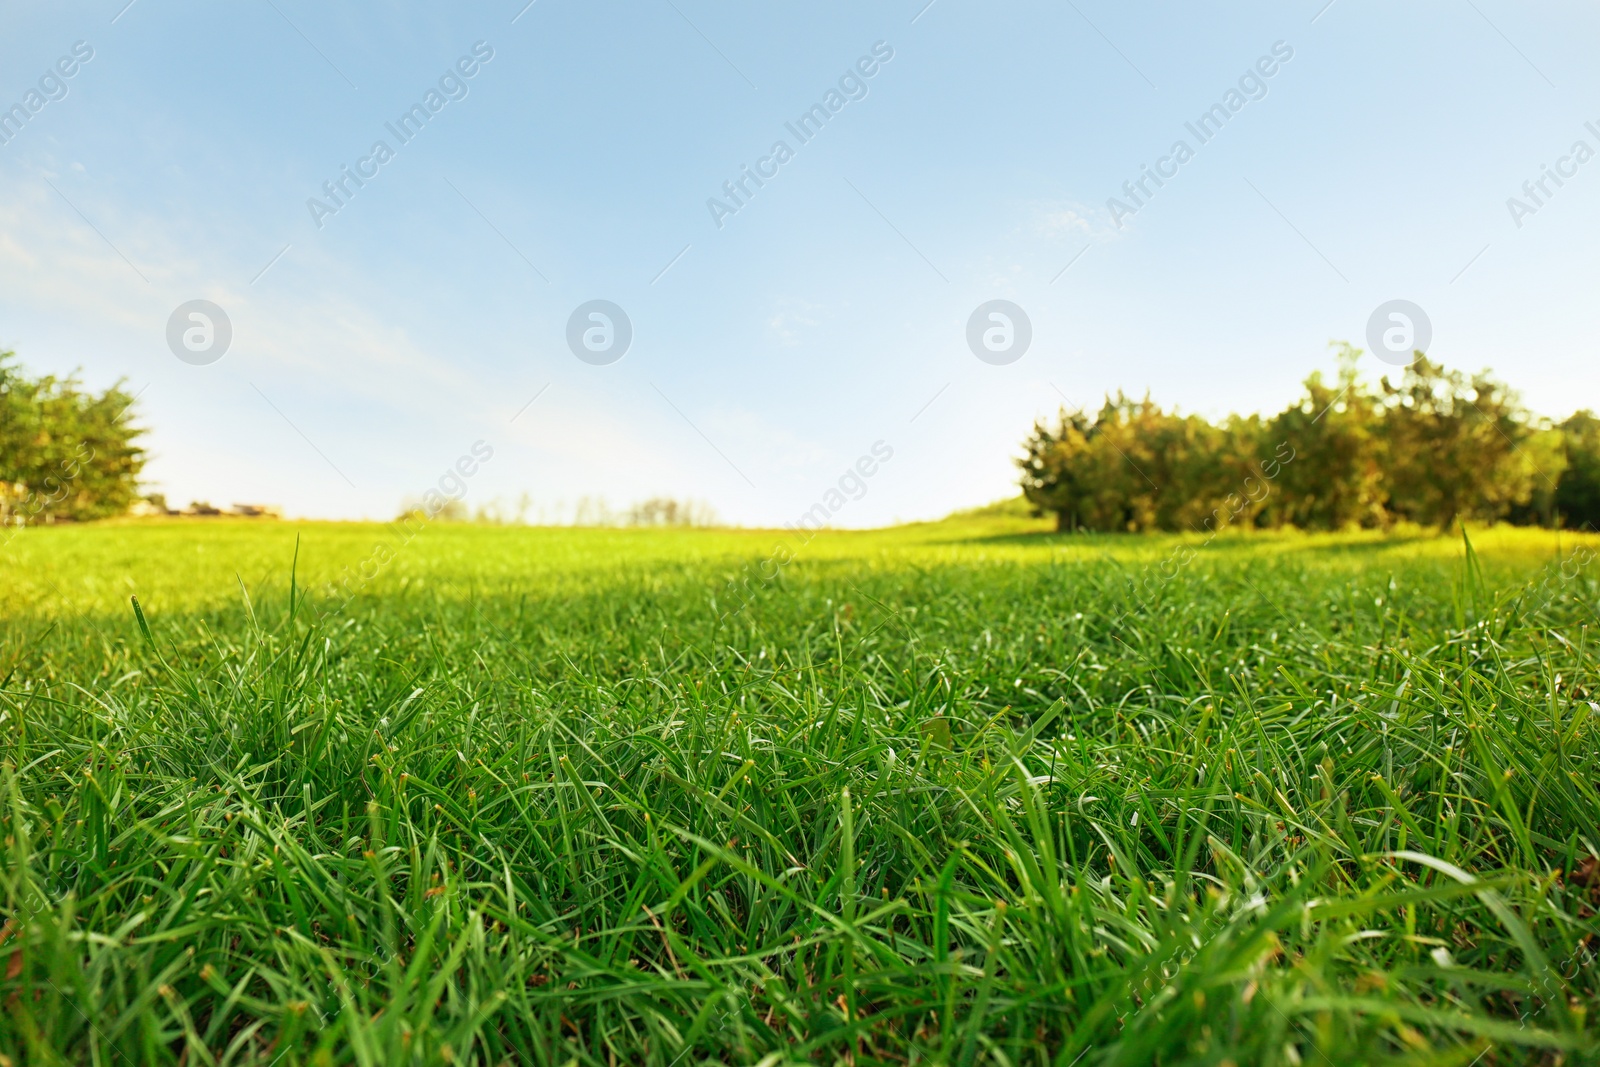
(950, 792)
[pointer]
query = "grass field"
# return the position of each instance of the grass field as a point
(961, 792)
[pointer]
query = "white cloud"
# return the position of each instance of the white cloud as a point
(1054, 221)
(793, 316)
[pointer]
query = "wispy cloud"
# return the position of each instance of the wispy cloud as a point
(791, 317)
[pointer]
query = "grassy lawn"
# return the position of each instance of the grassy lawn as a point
(959, 792)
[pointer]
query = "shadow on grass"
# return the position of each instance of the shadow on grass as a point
(1226, 542)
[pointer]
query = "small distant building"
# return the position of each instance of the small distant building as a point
(258, 511)
(152, 504)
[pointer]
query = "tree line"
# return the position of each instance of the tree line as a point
(1433, 447)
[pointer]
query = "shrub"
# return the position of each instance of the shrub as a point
(1431, 448)
(65, 453)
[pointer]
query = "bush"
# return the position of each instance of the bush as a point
(65, 453)
(1432, 448)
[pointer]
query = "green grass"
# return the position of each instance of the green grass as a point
(959, 792)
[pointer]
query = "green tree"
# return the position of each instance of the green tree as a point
(1544, 454)
(1453, 446)
(1436, 447)
(1052, 465)
(65, 453)
(1119, 490)
(1134, 466)
(1578, 490)
(1336, 478)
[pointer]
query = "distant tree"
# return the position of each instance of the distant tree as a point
(449, 511)
(1094, 474)
(1053, 469)
(1544, 453)
(1134, 466)
(65, 453)
(1453, 446)
(666, 511)
(1200, 470)
(1433, 448)
(1336, 478)
(593, 511)
(1577, 498)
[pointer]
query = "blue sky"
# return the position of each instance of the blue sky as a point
(830, 312)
